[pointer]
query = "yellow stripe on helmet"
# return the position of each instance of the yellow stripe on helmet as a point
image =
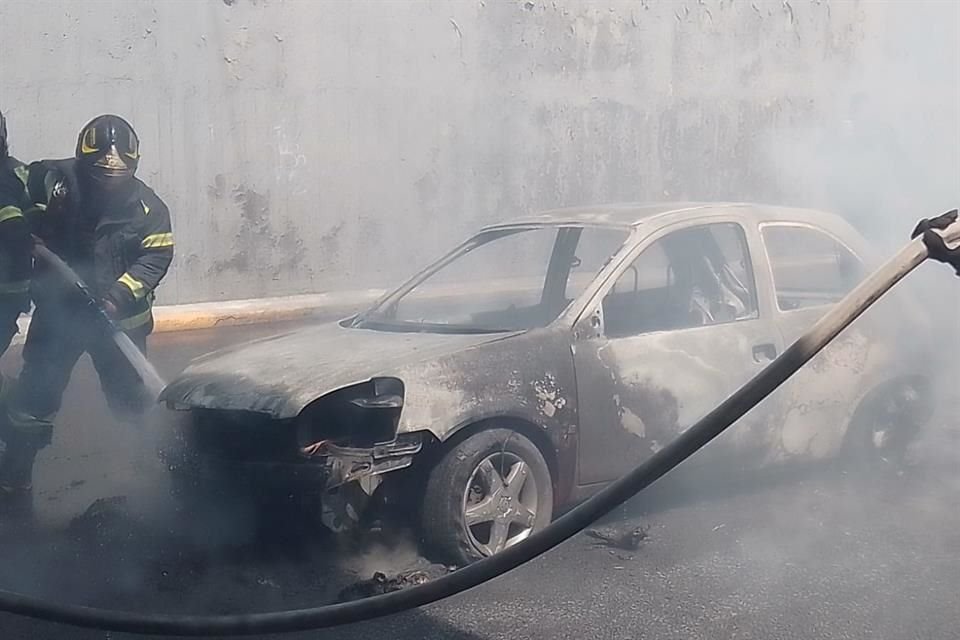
(88, 143)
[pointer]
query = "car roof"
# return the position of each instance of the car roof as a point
(631, 215)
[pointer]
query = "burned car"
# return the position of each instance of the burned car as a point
(544, 357)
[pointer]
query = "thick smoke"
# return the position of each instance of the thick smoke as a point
(885, 151)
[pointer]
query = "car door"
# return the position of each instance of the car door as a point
(811, 270)
(668, 344)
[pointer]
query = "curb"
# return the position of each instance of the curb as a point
(208, 315)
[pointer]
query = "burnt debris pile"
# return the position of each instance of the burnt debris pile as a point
(626, 538)
(380, 583)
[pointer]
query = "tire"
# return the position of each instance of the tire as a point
(887, 421)
(465, 478)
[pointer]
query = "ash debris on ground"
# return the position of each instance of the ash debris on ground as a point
(119, 554)
(105, 521)
(122, 551)
(380, 583)
(627, 538)
(383, 560)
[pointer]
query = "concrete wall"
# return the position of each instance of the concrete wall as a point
(308, 146)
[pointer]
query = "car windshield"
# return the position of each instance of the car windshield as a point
(502, 280)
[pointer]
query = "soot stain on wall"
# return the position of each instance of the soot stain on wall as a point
(258, 245)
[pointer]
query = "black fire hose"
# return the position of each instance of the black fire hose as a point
(152, 381)
(566, 526)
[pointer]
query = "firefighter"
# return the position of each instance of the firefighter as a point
(935, 245)
(15, 243)
(115, 232)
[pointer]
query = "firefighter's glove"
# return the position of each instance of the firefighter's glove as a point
(119, 298)
(936, 247)
(940, 222)
(109, 307)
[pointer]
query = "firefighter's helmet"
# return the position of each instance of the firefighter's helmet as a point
(108, 149)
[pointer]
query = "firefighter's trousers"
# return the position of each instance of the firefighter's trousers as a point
(59, 334)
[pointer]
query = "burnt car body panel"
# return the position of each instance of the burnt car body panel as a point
(597, 405)
(279, 376)
(659, 382)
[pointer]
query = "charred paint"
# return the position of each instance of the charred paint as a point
(820, 400)
(548, 395)
(662, 382)
(526, 377)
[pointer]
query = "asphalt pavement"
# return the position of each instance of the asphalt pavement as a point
(813, 553)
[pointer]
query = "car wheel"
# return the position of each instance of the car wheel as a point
(487, 493)
(887, 422)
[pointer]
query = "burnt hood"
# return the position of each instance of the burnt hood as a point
(281, 375)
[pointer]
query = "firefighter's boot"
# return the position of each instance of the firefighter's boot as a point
(16, 466)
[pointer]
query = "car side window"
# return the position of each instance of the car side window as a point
(689, 278)
(595, 247)
(810, 268)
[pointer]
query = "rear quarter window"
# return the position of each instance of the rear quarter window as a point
(810, 267)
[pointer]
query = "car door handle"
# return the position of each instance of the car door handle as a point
(764, 352)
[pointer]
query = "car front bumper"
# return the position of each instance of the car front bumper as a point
(330, 467)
